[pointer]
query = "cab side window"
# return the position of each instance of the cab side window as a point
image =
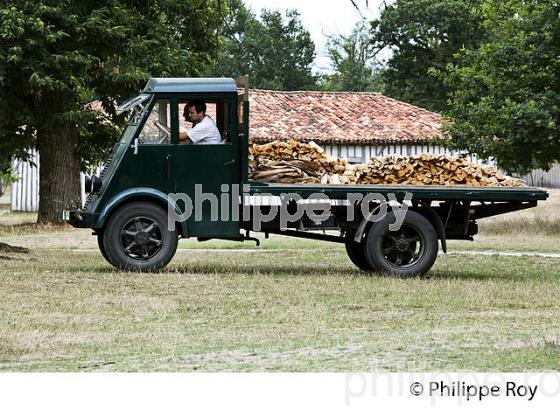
(217, 110)
(157, 128)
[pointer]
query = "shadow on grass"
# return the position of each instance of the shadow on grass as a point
(437, 273)
(326, 271)
(256, 270)
(288, 264)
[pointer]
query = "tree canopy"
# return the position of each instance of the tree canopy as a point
(275, 49)
(505, 97)
(352, 60)
(425, 35)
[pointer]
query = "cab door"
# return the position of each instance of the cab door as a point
(209, 174)
(147, 163)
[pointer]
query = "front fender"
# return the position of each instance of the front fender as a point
(138, 194)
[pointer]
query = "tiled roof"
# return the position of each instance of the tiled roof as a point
(338, 118)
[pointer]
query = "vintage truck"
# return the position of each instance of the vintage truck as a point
(392, 229)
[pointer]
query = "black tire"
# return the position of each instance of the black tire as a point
(407, 252)
(355, 251)
(102, 246)
(136, 238)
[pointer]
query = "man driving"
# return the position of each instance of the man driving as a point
(203, 131)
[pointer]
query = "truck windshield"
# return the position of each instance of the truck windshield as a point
(136, 108)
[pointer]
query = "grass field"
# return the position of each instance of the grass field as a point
(290, 305)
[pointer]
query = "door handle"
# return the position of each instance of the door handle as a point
(135, 146)
(230, 162)
(168, 166)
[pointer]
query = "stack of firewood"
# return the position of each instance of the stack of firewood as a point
(428, 169)
(293, 162)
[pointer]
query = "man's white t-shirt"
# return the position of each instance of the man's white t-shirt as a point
(205, 132)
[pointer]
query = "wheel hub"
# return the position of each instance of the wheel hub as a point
(142, 238)
(402, 245)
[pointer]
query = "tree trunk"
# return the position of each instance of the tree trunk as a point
(59, 175)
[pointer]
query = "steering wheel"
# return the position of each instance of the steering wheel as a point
(166, 133)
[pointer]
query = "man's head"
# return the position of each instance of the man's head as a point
(195, 111)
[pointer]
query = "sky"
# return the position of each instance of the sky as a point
(323, 17)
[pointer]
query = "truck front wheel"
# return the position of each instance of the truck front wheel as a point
(102, 246)
(409, 251)
(136, 238)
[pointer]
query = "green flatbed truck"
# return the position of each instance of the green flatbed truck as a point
(154, 190)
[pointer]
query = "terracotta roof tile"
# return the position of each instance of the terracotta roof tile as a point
(338, 118)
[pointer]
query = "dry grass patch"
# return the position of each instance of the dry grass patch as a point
(542, 220)
(284, 309)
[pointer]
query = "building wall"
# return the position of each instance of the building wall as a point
(362, 153)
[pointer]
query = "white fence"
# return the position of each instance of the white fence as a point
(545, 179)
(24, 195)
(25, 192)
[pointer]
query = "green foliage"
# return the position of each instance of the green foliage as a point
(352, 60)
(275, 50)
(57, 56)
(505, 99)
(425, 35)
(7, 176)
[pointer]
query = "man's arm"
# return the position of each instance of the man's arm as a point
(183, 137)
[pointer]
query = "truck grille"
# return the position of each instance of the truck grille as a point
(107, 164)
(89, 200)
(104, 169)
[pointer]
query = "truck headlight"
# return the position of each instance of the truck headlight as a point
(92, 184)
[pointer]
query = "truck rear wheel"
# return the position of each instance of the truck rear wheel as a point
(355, 251)
(136, 238)
(409, 251)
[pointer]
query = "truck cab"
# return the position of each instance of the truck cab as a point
(149, 162)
